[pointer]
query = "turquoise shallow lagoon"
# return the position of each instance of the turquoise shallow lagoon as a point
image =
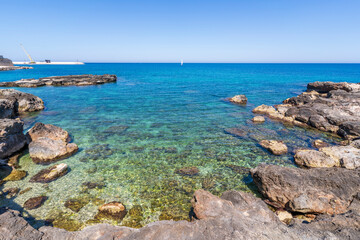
(134, 134)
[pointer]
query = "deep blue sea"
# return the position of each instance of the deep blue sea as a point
(134, 134)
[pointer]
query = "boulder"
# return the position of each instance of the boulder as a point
(317, 190)
(264, 109)
(71, 80)
(238, 99)
(50, 174)
(35, 202)
(12, 138)
(274, 146)
(46, 150)
(7, 108)
(49, 143)
(24, 102)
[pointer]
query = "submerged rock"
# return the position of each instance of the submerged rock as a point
(317, 190)
(75, 204)
(50, 174)
(35, 202)
(238, 99)
(236, 132)
(11, 192)
(15, 175)
(76, 80)
(187, 171)
(12, 138)
(274, 146)
(112, 210)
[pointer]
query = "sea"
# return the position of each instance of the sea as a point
(134, 135)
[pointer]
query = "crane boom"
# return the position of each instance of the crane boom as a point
(28, 55)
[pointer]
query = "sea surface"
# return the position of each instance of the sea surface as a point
(134, 134)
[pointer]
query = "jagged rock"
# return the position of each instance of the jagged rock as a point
(284, 216)
(50, 174)
(320, 143)
(35, 202)
(274, 146)
(325, 87)
(317, 190)
(187, 171)
(77, 80)
(258, 119)
(7, 108)
(238, 99)
(46, 150)
(334, 156)
(112, 210)
(5, 62)
(12, 138)
(24, 102)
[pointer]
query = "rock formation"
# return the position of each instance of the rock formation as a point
(21, 102)
(49, 143)
(327, 106)
(5, 62)
(71, 80)
(239, 99)
(274, 146)
(12, 138)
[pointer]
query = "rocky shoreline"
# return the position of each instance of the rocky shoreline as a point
(10, 68)
(319, 200)
(70, 80)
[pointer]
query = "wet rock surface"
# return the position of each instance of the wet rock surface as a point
(316, 190)
(112, 210)
(50, 174)
(274, 146)
(71, 80)
(327, 106)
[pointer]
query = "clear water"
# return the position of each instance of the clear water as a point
(174, 117)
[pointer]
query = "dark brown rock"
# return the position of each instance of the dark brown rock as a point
(12, 138)
(35, 202)
(50, 174)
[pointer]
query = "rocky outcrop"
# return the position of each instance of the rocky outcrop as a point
(71, 80)
(274, 146)
(239, 99)
(22, 102)
(236, 215)
(49, 143)
(332, 156)
(9, 68)
(7, 108)
(50, 174)
(5, 62)
(316, 190)
(327, 106)
(12, 138)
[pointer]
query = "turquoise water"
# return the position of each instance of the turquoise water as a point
(134, 134)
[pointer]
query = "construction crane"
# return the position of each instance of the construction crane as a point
(28, 55)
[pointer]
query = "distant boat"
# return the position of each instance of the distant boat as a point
(182, 62)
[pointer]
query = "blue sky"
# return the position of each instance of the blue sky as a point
(196, 31)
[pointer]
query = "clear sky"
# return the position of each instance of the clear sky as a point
(193, 30)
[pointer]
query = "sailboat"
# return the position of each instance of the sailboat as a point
(182, 62)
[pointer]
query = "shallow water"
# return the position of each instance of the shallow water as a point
(157, 118)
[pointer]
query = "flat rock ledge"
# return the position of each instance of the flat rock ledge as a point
(327, 106)
(71, 80)
(236, 215)
(10, 68)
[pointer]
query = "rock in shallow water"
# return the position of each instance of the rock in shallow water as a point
(47, 130)
(112, 210)
(35, 202)
(317, 190)
(274, 146)
(238, 99)
(12, 138)
(258, 119)
(50, 174)
(187, 171)
(24, 102)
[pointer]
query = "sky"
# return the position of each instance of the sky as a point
(239, 31)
